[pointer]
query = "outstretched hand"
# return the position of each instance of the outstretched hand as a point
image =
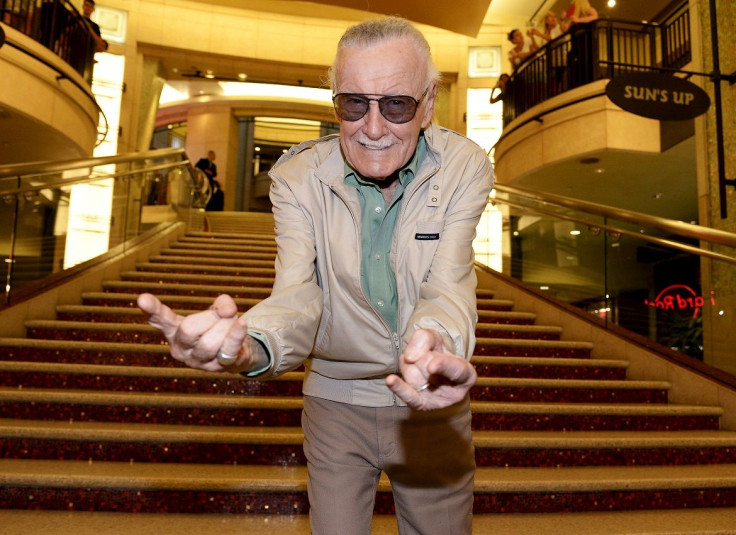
(433, 377)
(196, 339)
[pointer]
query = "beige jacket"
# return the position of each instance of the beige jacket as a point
(318, 307)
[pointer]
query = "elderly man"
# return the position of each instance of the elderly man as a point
(374, 293)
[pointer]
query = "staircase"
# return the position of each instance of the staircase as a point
(96, 416)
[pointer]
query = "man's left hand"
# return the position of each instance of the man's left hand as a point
(433, 378)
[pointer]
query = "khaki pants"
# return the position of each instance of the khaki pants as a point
(428, 457)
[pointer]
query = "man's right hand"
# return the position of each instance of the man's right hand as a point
(196, 339)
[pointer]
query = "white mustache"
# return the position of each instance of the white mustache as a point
(375, 144)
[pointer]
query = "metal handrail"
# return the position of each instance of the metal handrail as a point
(685, 248)
(680, 228)
(57, 166)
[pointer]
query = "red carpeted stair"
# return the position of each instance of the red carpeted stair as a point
(95, 415)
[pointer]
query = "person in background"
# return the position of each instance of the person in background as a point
(580, 58)
(207, 165)
(550, 29)
(579, 12)
(522, 48)
(88, 7)
(501, 86)
(217, 199)
(374, 294)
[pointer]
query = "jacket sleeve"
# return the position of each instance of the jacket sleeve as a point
(290, 316)
(447, 297)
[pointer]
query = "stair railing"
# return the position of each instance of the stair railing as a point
(670, 281)
(55, 215)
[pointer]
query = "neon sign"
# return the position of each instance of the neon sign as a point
(680, 297)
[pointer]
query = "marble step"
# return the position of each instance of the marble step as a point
(120, 353)
(210, 291)
(123, 442)
(215, 409)
(511, 347)
(263, 248)
(209, 260)
(157, 355)
(226, 239)
(195, 489)
(195, 254)
(703, 521)
(255, 279)
(193, 267)
(74, 375)
(550, 368)
(144, 333)
(174, 301)
(535, 332)
(127, 314)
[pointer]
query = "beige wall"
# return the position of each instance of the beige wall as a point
(267, 36)
(719, 329)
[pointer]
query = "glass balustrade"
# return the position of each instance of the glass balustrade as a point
(55, 216)
(648, 279)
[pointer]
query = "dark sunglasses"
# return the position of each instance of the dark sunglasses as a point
(397, 109)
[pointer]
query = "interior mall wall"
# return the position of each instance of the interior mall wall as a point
(719, 333)
(265, 35)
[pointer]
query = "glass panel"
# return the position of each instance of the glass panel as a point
(86, 210)
(626, 274)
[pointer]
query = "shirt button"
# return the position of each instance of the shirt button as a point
(378, 257)
(378, 209)
(435, 187)
(380, 303)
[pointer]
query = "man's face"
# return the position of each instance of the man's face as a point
(88, 8)
(211, 156)
(372, 145)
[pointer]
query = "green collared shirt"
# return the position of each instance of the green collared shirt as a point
(378, 221)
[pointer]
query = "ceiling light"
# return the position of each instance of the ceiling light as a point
(611, 3)
(544, 288)
(242, 76)
(575, 233)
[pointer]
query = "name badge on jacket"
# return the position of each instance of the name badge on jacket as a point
(428, 230)
(426, 236)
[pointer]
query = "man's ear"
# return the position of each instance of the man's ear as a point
(429, 106)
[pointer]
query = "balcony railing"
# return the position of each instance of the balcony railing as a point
(58, 26)
(598, 50)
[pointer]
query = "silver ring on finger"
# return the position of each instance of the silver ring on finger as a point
(226, 360)
(424, 387)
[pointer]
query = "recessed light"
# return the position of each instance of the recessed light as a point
(575, 232)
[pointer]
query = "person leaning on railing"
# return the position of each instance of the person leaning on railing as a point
(522, 48)
(501, 86)
(88, 7)
(550, 29)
